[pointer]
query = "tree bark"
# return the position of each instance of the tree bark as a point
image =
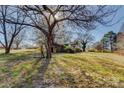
(111, 47)
(7, 50)
(42, 51)
(49, 46)
(84, 48)
(49, 53)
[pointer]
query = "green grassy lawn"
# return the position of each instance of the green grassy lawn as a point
(86, 70)
(18, 69)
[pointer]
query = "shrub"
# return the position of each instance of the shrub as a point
(66, 45)
(69, 50)
(78, 50)
(107, 51)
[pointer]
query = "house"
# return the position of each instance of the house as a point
(76, 44)
(57, 48)
(71, 47)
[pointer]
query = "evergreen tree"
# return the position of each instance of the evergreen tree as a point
(109, 41)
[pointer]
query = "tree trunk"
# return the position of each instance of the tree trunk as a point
(111, 46)
(84, 47)
(42, 51)
(7, 50)
(49, 53)
(49, 47)
(50, 40)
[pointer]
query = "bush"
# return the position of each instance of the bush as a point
(78, 50)
(107, 51)
(66, 46)
(69, 50)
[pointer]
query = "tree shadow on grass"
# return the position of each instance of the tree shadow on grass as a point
(28, 80)
(39, 79)
(36, 80)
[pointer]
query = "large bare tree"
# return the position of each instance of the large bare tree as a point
(9, 31)
(85, 38)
